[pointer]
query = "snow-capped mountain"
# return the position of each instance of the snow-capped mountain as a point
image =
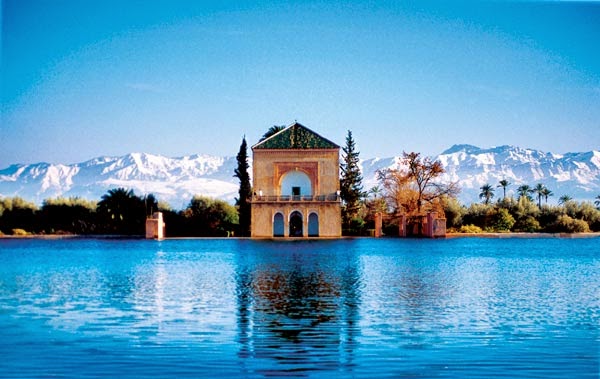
(176, 180)
(573, 174)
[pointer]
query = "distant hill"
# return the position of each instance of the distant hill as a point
(176, 180)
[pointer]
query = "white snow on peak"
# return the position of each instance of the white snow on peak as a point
(176, 180)
(575, 174)
(485, 159)
(595, 160)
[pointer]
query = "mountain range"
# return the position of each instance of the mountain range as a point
(177, 180)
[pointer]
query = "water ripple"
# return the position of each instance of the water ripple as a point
(350, 308)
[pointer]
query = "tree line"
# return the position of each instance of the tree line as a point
(528, 212)
(119, 212)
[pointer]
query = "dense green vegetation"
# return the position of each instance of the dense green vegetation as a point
(523, 214)
(505, 215)
(119, 212)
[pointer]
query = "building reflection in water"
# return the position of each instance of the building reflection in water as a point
(295, 310)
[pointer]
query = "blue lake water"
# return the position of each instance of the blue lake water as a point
(468, 307)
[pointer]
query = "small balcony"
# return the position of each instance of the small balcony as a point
(330, 198)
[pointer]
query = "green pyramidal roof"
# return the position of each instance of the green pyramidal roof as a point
(296, 136)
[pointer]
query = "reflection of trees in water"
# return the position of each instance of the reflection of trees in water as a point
(288, 316)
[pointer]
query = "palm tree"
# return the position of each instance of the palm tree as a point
(375, 191)
(539, 191)
(504, 183)
(122, 211)
(487, 192)
(546, 192)
(524, 191)
(564, 199)
(378, 203)
(272, 131)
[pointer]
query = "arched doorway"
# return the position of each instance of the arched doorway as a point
(278, 227)
(296, 224)
(295, 183)
(313, 225)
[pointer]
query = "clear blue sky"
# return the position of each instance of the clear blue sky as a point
(82, 79)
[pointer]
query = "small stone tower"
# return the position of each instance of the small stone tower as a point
(155, 226)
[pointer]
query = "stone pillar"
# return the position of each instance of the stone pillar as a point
(305, 224)
(155, 227)
(431, 217)
(440, 228)
(378, 224)
(402, 226)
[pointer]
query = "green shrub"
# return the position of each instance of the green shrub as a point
(479, 214)
(356, 227)
(470, 229)
(549, 215)
(528, 224)
(590, 214)
(390, 229)
(566, 224)
(20, 232)
(17, 213)
(525, 208)
(594, 225)
(208, 217)
(571, 208)
(454, 212)
(503, 221)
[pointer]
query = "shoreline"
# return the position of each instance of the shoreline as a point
(523, 235)
(510, 235)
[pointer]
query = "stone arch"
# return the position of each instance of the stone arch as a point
(311, 169)
(313, 224)
(278, 225)
(296, 224)
(295, 183)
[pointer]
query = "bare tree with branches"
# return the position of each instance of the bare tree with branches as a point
(415, 185)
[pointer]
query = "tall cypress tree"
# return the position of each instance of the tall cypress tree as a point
(245, 192)
(351, 190)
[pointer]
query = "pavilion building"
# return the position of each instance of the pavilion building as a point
(296, 185)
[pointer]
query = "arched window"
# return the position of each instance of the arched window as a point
(295, 183)
(313, 225)
(296, 224)
(278, 227)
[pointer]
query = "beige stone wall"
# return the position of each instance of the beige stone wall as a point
(320, 165)
(330, 224)
(269, 166)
